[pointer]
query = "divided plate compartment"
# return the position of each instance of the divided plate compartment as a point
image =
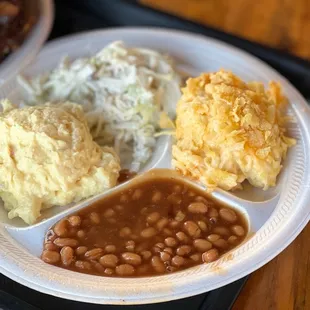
(275, 216)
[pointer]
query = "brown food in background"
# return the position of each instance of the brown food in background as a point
(17, 17)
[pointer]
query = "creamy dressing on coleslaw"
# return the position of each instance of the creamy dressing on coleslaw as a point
(122, 90)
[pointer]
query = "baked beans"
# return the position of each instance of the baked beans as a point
(159, 227)
(66, 254)
(109, 260)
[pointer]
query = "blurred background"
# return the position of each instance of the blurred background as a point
(282, 24)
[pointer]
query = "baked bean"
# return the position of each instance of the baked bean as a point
(210, 256)
(198, 207)
(110, 248)
(51, 257)
(171, 242)
(94, 218)
(182, 237)
(174, 224)
(171, 268)
(125, 232)
(160, 245)
(220, 230)
(99, 267)
(81, 234)
(130, 245)
(75, 220)
(61, 242)
(111, 220)
(156, 249)
(180, 216)
(156, 197)
(108, 260)
(191, 194)
(125, 270)
(202, 245)
(124, 198)
(167, 232)
(66, 255)
(137, 194)
(146, 255)
(232, 240)
(80, 264)
(143, 246)
(178, 261)
(177, 189)
(213, 212)
(238, 230)
(108, 271)
(144, 210)
(50, 246)
(168, 250)
(221, 243)
(162, 223)
(119, 208)
(174, 199)
(157, 264)
(192, 229)
(94, 253)
(195, 257)
(134, 237)
(148, 232)
(81, 250)
(131, 258)
(109, 213)
(60, 228)
(228, 215)
(201, 199)
(202, 225)
(153, 217)
(213, 237)
(183, 250)
(165, 257)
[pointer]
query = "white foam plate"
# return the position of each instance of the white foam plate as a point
(32, 43)
(276, 216)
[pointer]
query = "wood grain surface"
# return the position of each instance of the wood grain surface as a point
(284, 283)
(283, 24)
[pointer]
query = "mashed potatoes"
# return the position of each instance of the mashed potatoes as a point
(48, 157)
(228, 131)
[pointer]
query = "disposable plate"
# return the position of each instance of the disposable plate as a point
(275, 216)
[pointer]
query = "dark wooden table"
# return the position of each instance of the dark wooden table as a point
(283, 283)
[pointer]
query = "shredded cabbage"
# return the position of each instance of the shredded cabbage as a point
(122, 90)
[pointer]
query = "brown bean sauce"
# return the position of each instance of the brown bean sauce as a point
(157, 227)
(125, 175)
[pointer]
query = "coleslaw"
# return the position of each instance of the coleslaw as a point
(123, 92)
